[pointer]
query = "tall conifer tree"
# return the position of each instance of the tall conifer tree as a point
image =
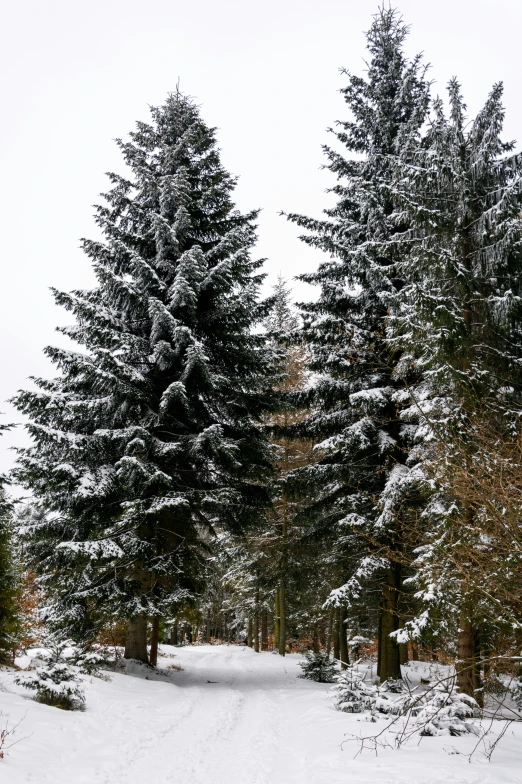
(357, 393)
(150, 438)
(459, 320)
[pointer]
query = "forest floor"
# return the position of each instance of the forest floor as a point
(231, 715)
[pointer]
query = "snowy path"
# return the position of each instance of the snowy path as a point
(258, 723)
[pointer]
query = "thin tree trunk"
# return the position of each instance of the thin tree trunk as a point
(256, 632)
(249, 634)
(477, 675)
(264, 631)
(282, 586)
(282, 619)
(343, 645)
(136, 639)
(277, 622)
(336, 634)
(174, 633)
(154, 640)
(330, 630)
(315, 642)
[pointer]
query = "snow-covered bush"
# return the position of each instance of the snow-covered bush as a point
(56, 682)
(318, 667)
(440, 711)
(394, 686)
(352, 694)
(443, 711)
(90, 660)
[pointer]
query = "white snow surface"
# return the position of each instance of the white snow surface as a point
(257, 723)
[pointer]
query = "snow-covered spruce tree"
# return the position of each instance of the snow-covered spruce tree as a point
(458, 318)
(55, 681)
(352, 693)
(150, 438)
(357, 394)
(319, 667)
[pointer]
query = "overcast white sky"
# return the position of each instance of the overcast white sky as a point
(77, 74)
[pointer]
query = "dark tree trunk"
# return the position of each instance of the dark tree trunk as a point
(256, 624)
(277, 625)
(315, 642)
(249, 638)
(343, 645)
(282, 619)
(336, 634)
(479, 654)
(154, 640)
(174, 634)
(403, 647)
(466, 652)
(264, 631)
(136, 639)
(389, 658)
(330, 633)
(256, 632)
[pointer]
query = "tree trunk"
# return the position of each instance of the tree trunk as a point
(174, 634)
(282, 619)
(277, 624)
(154, 640)
(136, 639)
(249, 634)
(256, 632)
(343, 645)
(477, 674)
(330, 631)
(315, 642)
(264, 631)
(466, 652)
(389, 658)
(336, 634)
(403, 647)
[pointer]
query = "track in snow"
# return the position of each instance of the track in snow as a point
(258, 723)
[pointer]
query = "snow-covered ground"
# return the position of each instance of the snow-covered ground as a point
(230, 715)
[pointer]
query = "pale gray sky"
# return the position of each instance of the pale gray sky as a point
(75, 75)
